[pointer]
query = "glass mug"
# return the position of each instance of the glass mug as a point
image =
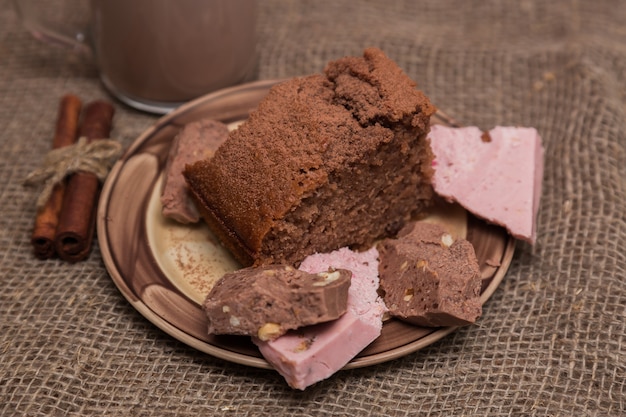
(157, 54)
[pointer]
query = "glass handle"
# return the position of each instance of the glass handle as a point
(32, 17)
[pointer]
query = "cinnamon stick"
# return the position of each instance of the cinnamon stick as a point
(76, 228)
(47, 218)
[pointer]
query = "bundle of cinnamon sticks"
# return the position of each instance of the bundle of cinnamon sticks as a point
(65, 224)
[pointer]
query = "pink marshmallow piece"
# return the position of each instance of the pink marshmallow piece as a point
(496, 176)
(313, 353)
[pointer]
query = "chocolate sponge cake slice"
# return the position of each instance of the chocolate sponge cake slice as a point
(325, 161)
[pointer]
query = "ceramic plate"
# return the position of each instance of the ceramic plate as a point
(165, 269)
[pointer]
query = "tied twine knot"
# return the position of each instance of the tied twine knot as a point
(96, 157)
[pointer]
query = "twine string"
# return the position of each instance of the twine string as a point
(96, 157)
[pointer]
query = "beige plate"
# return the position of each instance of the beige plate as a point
(165, 269)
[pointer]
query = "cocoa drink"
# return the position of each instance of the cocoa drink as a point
(163, 51)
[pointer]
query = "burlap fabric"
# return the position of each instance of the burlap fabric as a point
(552, 341)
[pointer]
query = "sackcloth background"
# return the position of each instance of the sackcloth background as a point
(552, 341)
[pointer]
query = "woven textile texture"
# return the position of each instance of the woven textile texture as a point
(552, 339)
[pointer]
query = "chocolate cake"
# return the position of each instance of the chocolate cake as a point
(267, 301)
(325, 161)
(428, 278)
